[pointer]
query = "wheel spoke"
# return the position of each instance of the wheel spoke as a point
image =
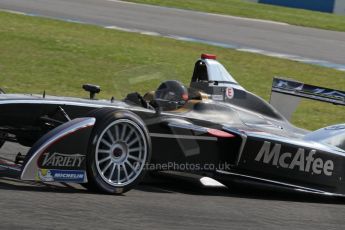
(106, 168)
(134, 149)
(133, 158)
(125, 170)
(104, 159)
(129, 135)
(133, 141)
(110, 136)
(112, 172)
(140, 152)
(104, 151)
(117, 132)
(131, 166)
(123, 132)
(118, 174)
(106, 143)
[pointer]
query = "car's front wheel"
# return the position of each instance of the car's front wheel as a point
(119, 149)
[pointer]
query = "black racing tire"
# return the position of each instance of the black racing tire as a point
(3, 137)
(128, 150)
(2, 142)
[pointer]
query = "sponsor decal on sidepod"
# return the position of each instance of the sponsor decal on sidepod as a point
(301, 160)
(62, 160)
(50, 175)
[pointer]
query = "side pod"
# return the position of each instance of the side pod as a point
(60, 155)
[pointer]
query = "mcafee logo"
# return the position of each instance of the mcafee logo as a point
(300, 160)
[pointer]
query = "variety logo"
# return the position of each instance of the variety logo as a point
(62, 160)
(50, 175)
(301, 160)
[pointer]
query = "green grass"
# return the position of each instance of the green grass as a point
(41, 54)
(248, 9)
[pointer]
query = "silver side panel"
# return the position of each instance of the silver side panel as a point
(31, 170)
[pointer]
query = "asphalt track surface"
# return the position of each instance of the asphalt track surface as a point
(236, 32)
(160, 204)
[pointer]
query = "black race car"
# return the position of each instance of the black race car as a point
(215, 128)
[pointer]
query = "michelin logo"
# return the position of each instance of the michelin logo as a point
(302, 160)
(50, 175)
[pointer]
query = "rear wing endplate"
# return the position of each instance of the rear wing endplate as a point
(286, 94)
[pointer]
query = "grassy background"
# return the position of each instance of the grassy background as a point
(255, 10)
(42, 54)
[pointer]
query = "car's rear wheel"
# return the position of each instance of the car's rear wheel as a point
(118, 150)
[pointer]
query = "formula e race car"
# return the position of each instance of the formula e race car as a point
(214, 127)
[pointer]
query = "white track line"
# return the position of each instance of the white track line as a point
(305, 60)
(201, 12)
(322, 63)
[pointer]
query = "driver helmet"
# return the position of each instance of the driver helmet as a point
(171, 95)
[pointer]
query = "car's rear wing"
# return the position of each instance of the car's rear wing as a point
(286, 94)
